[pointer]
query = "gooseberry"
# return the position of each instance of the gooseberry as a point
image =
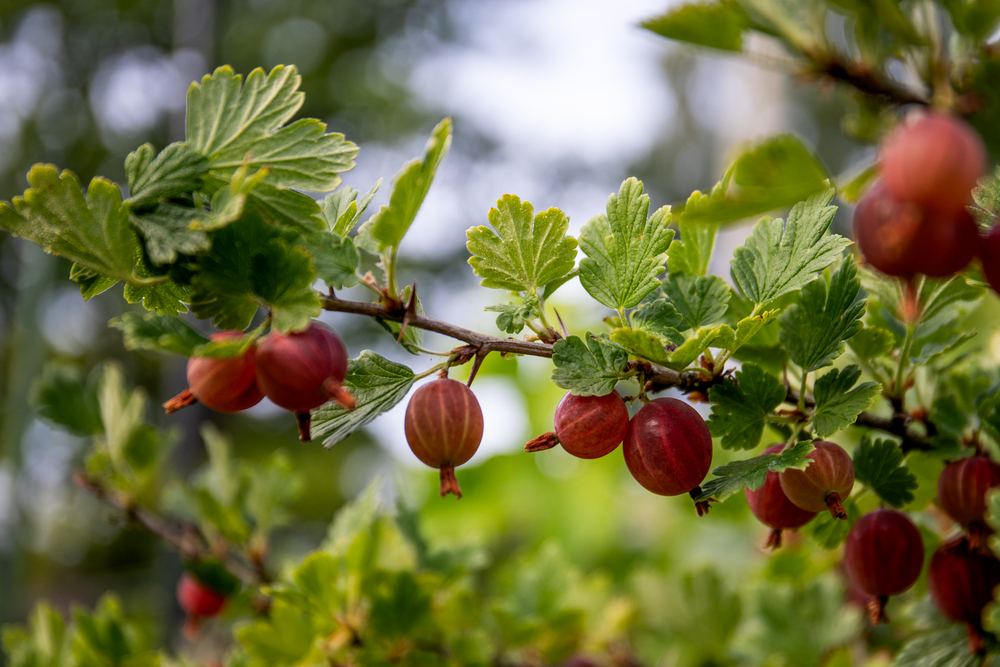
(824, 484)
(946, 243)
(224, 385)
(773, 508)
(444, 426)
(886, 229)
(962, 489)
(961, 583)
(303, 370)
(198, 601)
(668, 449)
(934, 160)
(883, 555)
(587, 427)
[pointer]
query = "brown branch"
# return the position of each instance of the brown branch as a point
(658, 378)
(863, 78)
(186, 538)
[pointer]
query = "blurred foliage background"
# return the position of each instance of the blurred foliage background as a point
(554, 100)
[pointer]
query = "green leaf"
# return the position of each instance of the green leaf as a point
(588, 366)
(45, 642)
(336, 259)
(168, 231)
(342, 209)
(409, 187)
(815, 329)
(660, 318)
(770, 175)
(687, 353)
(107, 637)
(779, 258)
(225, 118)
(626, 252)
(871, 342)
(878, 464)
(693, 251)
(519, 256)
(251, 264)
(647, 345)
(746, 329)
(829, 531)
(740, 408)
(62, 397)
(399, 612)
(93, 232)
(715, 25)
(513, 315)
(177, 170)
(837, 404)
(376, 383)
(91, 282)
(158, 333)
(700, 300)
(941, 647)
(166, 298)
(751, 473)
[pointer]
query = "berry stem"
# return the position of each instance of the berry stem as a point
(449, 483)
(304, 419)
(338, 394)
(700, 506)
(876, 609)
(836, 506)
(773, 540)
(181, 400)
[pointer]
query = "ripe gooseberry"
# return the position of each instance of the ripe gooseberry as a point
(824, 484)
(303, 370)
(444, 426)
(198, 601)
(587, 427)
(668, 449)
(934, 160)
(773, 508)
(989, 252)
(883, 555)
(961, 583)
(962, 489)
(224, 385)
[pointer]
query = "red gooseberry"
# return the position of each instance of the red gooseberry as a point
(961, 582)
(962, 489)
(933, 159)
(668, 449)
(198, 601)
(883, 555)
(824, 484)
(444, 426)
(303, 370)
(224, 385)
(587, 427)
(773, 508)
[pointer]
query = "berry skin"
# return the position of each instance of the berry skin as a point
(901, 238)
(773, 508)
(989, 252)
(590, 427)
(962, 489)
(444, 426)
(224, 385)
(198, 601)
(935, 161)
(668, 448)
(301, 371)
(961, 583)
(824, 484)
(883, 555)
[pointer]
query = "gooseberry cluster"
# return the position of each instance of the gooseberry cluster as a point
(668, 448)
(298, 371)
(914, 219)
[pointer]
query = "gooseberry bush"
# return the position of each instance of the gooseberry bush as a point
(854, 369)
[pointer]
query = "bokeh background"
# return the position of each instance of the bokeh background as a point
(556, 101)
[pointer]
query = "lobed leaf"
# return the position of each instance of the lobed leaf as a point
(377, 385)
(839, 402)
(513, 316)
(175, 171)
(517, 255)
(659, 318)
(693, 250)
(871, 342)
(589, 366)
(814, 329)
(779, 258)
(626, 252)
(700, 300)
(342, 209)
(62, 396)
(751, 473)
(878, 464)
(740, 408)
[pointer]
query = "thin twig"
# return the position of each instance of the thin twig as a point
(869, 82)
(186, 538)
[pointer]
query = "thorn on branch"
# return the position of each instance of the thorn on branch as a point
(410, 313)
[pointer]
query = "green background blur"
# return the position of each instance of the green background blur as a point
(556, 101)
